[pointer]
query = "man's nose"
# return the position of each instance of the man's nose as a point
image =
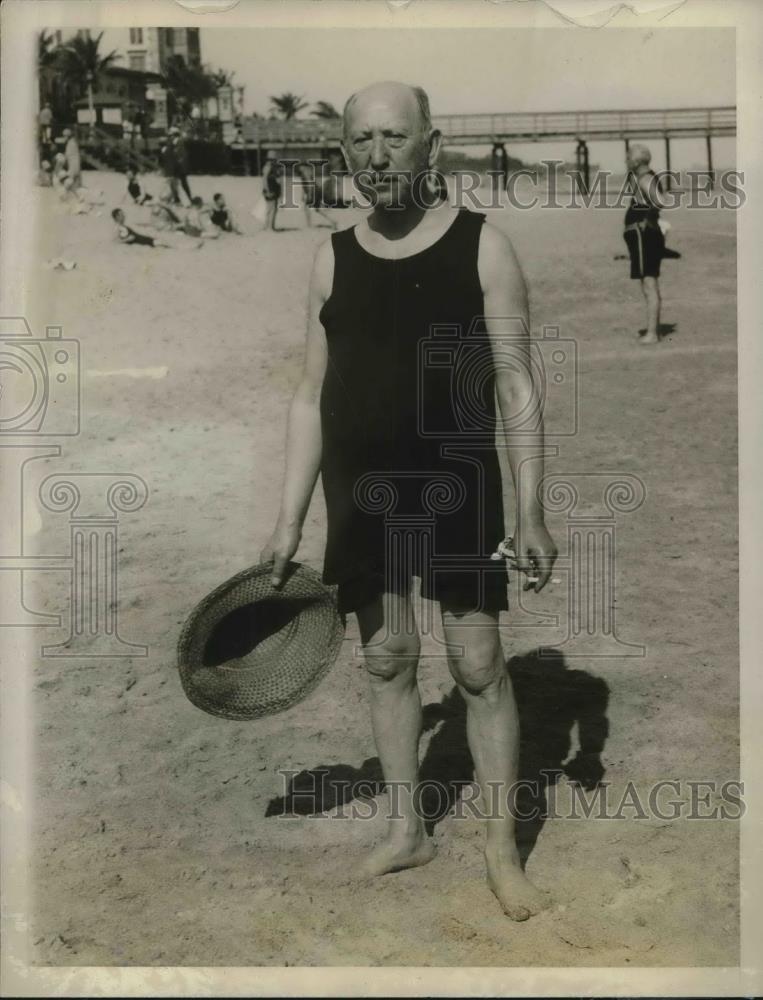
(379, 155)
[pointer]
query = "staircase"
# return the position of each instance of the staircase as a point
(122, 155)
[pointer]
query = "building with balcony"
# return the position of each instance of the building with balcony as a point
(150, 49)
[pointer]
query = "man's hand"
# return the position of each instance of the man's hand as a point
(535, 554)
(279, 549)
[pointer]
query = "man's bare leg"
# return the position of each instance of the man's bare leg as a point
(391, 648)
(492, 729)
(651, 289)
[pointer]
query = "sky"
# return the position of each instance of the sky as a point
(489, 70)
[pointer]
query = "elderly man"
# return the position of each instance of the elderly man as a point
(377, 290)
(644, 237)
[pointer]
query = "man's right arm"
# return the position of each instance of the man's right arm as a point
(303, 434)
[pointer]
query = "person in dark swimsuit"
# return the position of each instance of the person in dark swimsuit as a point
(168, 167)
(127, 235)
(220, 215)
(407, 337)
(271, 188)
(138, 195)
(180, 161)
(643, 236)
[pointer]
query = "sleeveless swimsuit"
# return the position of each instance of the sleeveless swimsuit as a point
(643, 235)
(409, 467)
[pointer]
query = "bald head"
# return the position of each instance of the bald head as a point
(638, 153)
(399, 97)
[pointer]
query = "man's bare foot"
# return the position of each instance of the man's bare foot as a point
(512, 888)
(398, 853)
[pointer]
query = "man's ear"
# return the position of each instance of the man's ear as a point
(435, 142)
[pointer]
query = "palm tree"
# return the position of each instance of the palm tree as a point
(187, 87)
(324, 109)
(223, 77)
(287, 105)
(84, 62)
(46, 49)
(47, 56)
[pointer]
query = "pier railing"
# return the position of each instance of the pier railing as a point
(521, 126)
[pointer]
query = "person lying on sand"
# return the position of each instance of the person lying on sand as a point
(164, 216)
(133, 237)
(198, 221)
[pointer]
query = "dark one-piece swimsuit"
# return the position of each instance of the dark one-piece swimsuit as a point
(409, 469)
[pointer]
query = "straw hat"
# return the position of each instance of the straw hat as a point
(249, 650)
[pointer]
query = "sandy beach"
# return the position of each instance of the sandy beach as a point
(152, 839)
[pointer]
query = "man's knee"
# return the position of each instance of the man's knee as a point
(481, 669)
(396, 656)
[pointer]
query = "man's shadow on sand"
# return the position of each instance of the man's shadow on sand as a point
(663, 330)
(551, 698)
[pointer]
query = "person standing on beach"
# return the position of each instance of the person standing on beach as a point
(169, 171)
(376, 292)
(45, 122)
(73, 159)
(180, 150)
(500, 167)
(644, 237)
(271, 188)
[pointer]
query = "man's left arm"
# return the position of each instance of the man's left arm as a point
(507, 322)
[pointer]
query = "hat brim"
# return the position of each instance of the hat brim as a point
(248, 650)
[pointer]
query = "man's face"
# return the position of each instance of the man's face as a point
(635, 158)
(384, 136)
